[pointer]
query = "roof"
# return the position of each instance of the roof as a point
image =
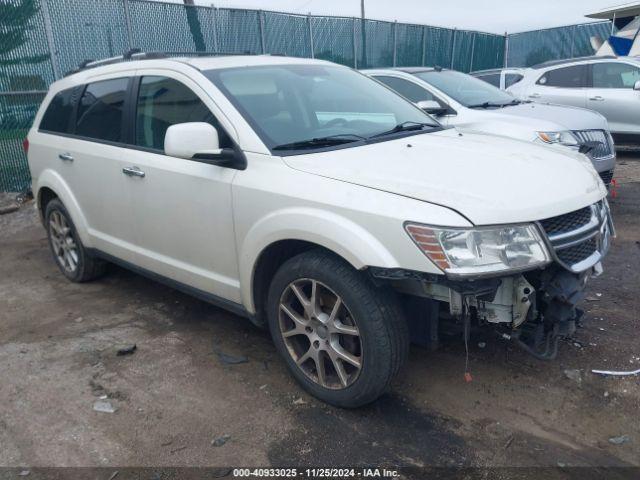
(553, 63)
(199, 60)
(418, 69)
(631, 9)
(213, 62)
(488, 70)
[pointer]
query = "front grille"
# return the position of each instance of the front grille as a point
(577, 253)
(567, 222)
(603, 150)
(606, 177)
(577, 236)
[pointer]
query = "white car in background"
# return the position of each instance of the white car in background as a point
(471, 105)
(501, 78)
(607, 85)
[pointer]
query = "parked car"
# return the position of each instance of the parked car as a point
(471, 105)
(501, 78)
(317, 202)
(607, 85)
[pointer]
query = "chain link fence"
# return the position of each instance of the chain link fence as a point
(530, 48)
(40, 40)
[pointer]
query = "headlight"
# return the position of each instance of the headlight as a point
(563, 138)
(480, 251)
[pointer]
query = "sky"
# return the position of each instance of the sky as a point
(495, 16)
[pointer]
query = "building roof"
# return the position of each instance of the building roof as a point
(631, 9)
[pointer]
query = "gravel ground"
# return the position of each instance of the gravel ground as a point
(173, 396)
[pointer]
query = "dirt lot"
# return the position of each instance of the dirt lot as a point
(174, 396)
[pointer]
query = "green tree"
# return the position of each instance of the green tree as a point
(15, 25)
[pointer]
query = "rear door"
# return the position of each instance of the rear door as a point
(181, 208)
(612, 95)
(92, 159)
(562, 85)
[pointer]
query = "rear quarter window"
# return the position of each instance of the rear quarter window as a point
(57, 116)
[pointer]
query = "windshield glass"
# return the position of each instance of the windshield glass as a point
(316, 106)
(465, 89)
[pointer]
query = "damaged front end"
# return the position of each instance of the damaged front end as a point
(533, 309)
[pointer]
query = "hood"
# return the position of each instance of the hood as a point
(567, 118)
(487, 179)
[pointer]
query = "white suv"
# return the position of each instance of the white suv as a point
(608, 85)
(314, 200)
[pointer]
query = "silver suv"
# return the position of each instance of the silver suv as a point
(608, 85)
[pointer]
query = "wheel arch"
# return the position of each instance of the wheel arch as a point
(282, 235)
(51, 185)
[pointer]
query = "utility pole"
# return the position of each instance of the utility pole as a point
(364, 35)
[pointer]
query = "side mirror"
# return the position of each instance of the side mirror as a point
(636, 87)
(432, 107)
(198, 141)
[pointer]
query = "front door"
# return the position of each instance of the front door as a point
(613, 96)
(182, 208)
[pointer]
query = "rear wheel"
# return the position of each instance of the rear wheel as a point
(68, 251)
(342, 338)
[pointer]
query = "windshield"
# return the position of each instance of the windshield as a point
(317, 106)
(466, 90)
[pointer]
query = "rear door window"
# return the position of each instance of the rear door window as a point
(101, 109)
(163, 102)
(511, 79)
(566, 77)
(57, 116)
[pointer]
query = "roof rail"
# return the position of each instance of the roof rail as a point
(138, 54)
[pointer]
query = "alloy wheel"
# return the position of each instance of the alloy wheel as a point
(63, 244)
(320, 333)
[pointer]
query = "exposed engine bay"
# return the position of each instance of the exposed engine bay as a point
(534, 310)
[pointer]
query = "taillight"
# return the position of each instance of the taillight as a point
(25, 145)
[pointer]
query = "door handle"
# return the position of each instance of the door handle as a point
(67, 157)
(133, 172)
(597, 98)
(534, 95)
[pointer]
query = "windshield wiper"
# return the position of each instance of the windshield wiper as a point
(494, 104)
(321, 142)
(404, 127)
(487, 105)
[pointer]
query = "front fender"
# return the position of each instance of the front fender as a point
(336, 233)
(51, 179)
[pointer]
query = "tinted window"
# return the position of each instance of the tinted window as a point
(568, 77)
(615, 75)
(408, 90)
(512, 79)
(57, 117)
(163, 102)
(493, 79)
(100, 112)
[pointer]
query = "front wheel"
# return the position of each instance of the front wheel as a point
(342, 338)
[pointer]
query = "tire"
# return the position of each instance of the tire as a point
(75, 263)
(320, 355)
